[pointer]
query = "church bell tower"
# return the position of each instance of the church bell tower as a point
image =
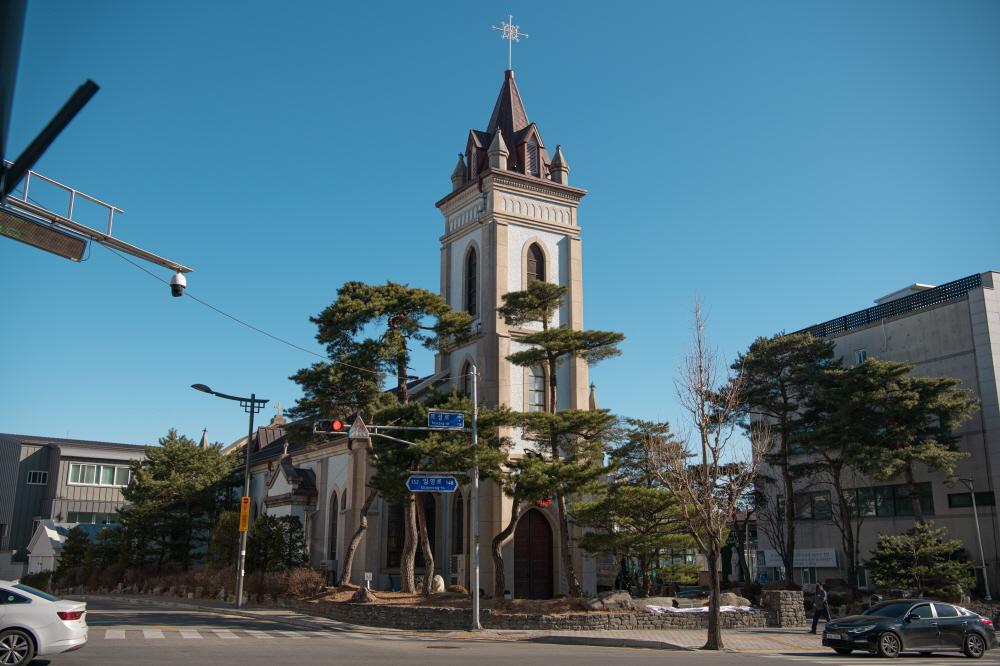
(510, 218)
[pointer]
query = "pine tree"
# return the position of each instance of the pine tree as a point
(898, 420)
(74, 550)
(781, 374)
(921, 559)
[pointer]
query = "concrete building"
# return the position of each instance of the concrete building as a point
(952, 330)
(511, 217)
(64, 480)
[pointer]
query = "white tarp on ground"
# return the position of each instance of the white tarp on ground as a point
(660, 610)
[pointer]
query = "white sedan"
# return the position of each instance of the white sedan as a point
(33, 623)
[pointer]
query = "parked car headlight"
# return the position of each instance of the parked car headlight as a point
(861, 630)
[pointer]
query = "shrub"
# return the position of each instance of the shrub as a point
(456, 589)
(40, 580)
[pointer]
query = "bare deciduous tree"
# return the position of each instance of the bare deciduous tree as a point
(727, 463)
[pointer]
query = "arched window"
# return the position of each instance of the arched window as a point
(254, 512)
(471, 279)
(536, 263)
(343, 500)
(465, 381)
(334, 515)
(536, 389)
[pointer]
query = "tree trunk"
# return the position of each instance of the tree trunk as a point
(404, 392)
(788, 556)
(407, 564)
(553, 389)
(499, 577)
(572, 584)
(426, 546)
(911, 485)
(345, 576)
(847, 534)
(714, 640)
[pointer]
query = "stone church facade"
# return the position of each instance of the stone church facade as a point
(511, 217)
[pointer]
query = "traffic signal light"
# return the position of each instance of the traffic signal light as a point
(326, 426)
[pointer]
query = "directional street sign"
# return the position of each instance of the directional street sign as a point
(432, 484)
(445, 420)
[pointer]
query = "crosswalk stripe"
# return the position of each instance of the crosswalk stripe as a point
(188, 633)
(152, 633)
(114, 633)
(224, 633)
(258, 634)
(290, 634)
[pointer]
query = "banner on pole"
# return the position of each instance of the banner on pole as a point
(245, 514)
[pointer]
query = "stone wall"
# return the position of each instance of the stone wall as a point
(409, 617)
(787, 605)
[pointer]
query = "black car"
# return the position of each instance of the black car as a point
(905, 625)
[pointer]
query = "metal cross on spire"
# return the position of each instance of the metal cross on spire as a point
(511, 34)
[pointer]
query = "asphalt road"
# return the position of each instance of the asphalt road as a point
(122, 634)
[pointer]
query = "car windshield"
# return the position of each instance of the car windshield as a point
(888, 609)
(37, 593)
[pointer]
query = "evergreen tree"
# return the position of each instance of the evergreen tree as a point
(275, 543)
(898, 420)
(352, 381)
(175, 495)
(223, 547)
(551, 347)
(921, 559)
(568, 459)
(637, 522)
(781, 374)
(74, 550)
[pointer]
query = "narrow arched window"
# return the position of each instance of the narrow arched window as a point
(458, 537)
(536, 263)
(334, 516)
(471, 280)
(536, 389)
(343, 500)
(465, 380)
(532, 156)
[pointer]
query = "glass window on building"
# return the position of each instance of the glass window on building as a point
(964, 500)
(99, 475)
(860, 355)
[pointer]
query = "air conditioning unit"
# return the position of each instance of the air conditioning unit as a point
(456, 569)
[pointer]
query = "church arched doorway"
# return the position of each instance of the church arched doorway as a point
(533, 558)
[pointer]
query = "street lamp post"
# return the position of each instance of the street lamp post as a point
(970, 484)
(251, 405)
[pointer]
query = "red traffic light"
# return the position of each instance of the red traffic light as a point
(327, 426)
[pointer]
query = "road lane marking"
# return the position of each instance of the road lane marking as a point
(224, 633)
(152, 633)
(290, 634)
(114, 633)
(258, 634)
(187, 633)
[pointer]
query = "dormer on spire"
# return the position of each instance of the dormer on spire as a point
(458, 175)
(558, 168)
(498, 152)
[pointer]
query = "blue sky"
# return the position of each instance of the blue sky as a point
(792, 161)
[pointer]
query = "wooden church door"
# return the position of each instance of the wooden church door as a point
(533, 557)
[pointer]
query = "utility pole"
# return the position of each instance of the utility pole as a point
(475, 499)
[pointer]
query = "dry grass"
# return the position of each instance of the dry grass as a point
(559, 606)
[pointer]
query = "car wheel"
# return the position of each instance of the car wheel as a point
(975, 646)
(888, 645)
(16, 648)
(843, 650)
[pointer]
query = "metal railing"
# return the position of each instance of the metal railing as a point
(945, 292)
(73, 194)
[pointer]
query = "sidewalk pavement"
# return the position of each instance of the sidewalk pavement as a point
(742, 640)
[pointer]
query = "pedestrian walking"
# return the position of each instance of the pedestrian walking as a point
(822, 607)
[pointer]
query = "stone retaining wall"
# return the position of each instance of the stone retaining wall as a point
(788, 607)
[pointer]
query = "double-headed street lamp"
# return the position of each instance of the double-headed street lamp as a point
(970, 484)
(252, 406)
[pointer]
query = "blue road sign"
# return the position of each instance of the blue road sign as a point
(432, 484)
(445, 420)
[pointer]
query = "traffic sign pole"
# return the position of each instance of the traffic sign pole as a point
(475, 500)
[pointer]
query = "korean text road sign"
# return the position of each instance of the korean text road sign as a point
(245, 514)
(432, 484)
(445, 420)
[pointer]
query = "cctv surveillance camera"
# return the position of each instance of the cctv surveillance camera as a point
(177, 284)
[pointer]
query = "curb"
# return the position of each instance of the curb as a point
(610, 642)
(303, 624)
